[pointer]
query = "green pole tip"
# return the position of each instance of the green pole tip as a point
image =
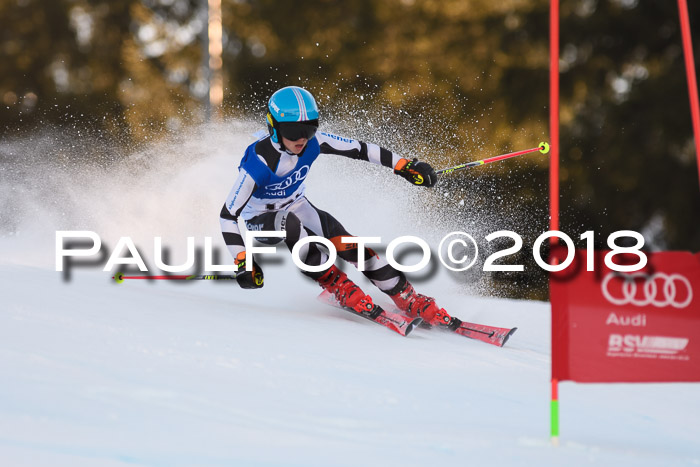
(119, 278)
(554, 419)
(544, 147)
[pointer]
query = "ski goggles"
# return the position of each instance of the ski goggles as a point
(294, 131)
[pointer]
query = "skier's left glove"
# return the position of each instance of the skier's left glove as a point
(248, 279)
(418, 173)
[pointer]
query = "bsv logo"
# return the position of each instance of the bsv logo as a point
(646, 346)
(293, 178)
(659, 289)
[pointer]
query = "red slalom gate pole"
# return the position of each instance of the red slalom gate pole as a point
(543, 148)
(690, 73)
(554, 177)
(554, 115)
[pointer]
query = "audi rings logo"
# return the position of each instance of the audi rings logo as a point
(658, 289)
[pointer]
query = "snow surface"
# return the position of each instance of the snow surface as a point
(204, 374)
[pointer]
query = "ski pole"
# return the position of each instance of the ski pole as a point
(120, 277)
(543, 148)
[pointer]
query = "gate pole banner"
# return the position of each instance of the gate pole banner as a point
(615, 327)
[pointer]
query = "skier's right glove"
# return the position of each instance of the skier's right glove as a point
(418, 173)
(248, 279)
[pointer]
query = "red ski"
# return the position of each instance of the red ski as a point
(394, 321)
(483, 333)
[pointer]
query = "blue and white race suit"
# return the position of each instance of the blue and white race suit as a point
(269, 195)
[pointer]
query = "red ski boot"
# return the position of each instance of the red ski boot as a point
(415, 304)
(348, 294)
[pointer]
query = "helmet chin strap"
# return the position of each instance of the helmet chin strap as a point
(282, 146)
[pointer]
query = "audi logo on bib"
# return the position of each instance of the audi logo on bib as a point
(638, 289)
(641, 326)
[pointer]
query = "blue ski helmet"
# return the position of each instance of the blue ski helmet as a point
(292, 113)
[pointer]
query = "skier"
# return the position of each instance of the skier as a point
(269, 195)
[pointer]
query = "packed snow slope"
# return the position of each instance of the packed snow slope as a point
(160, 373)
